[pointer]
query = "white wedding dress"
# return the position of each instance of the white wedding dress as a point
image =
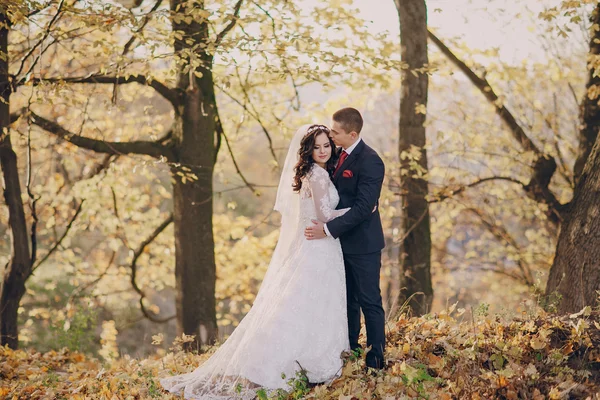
(299, 315)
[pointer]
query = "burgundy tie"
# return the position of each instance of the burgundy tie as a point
(342, 159)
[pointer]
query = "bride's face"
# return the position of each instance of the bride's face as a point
(322, 150)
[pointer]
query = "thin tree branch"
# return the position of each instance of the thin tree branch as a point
(237, 168)
(131, 41)
(39, 43)
(65, 233)
(501, 234)
(497, 269)
(33, 201)
(98, 168)
(166, 92)
(39, 10)
(35, 12)
(77, 292)
(231, 189)
(256, 118)
(573, 93)
(120, 231)
(234, 18)
(256, 113)
(413, 227)
(138, 252)
(461, 189)
(153, 149)
(284, 62)
(145, 20)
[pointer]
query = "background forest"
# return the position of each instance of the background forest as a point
(141, 142)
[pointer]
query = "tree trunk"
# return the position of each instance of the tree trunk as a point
(18, 269)
(416, 247)
(575, 273)
(194, 134)
(589, 110)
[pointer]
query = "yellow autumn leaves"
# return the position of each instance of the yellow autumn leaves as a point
(450, 355)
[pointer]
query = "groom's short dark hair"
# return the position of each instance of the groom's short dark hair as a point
(349, 118)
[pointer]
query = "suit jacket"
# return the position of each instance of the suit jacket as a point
(359, 230)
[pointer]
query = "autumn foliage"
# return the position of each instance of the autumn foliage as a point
(456, 354)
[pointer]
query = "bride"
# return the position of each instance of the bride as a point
(298, 319)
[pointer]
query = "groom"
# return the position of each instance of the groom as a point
(358, 178)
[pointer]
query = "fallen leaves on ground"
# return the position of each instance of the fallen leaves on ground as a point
(450, 355)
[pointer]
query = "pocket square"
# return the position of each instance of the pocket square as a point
(347, 173)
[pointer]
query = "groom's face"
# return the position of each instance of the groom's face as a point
(340, 137)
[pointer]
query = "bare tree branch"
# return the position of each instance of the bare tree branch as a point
(234, 188)
(98, 168)
(486, 89)
(296, 107)
(39, 10)
(166, 92)
(80, 289)
(461, 189)
(40, 42)
(237, 168)
(501, 234)
(145, 21)
(33, 202)
(100, 146)
(65, 233)
(131, 41)
(544, 166)
(234, 18)
(138, 252)
(256, 118)
(412, 228)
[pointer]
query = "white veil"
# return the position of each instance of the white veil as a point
(287, 203)
(287, 200)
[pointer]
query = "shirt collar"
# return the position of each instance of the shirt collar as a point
(350, 149)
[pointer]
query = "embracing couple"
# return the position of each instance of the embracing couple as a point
(324, 271)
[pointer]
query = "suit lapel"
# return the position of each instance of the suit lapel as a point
(349, 161)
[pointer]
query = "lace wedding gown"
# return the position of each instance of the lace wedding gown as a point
(298, 317)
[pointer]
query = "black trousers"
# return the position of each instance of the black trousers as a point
(363, 292)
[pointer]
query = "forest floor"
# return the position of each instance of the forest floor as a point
(455, 354)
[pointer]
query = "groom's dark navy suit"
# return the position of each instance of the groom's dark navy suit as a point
(358, 181)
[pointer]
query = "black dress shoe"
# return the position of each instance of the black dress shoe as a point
(375, 363)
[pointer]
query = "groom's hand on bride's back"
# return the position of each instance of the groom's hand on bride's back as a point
(316, 231)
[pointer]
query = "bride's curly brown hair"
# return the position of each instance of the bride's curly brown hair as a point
(305, 161)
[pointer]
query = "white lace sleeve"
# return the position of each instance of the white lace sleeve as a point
(319, 186)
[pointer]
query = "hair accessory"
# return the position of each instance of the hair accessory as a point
(311, 129)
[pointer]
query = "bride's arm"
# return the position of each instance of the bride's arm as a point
(319, 182)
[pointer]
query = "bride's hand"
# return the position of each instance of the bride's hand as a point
(317, 231)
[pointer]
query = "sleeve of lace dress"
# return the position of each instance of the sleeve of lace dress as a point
(319, 187)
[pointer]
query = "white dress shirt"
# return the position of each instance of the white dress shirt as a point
(349, 151)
